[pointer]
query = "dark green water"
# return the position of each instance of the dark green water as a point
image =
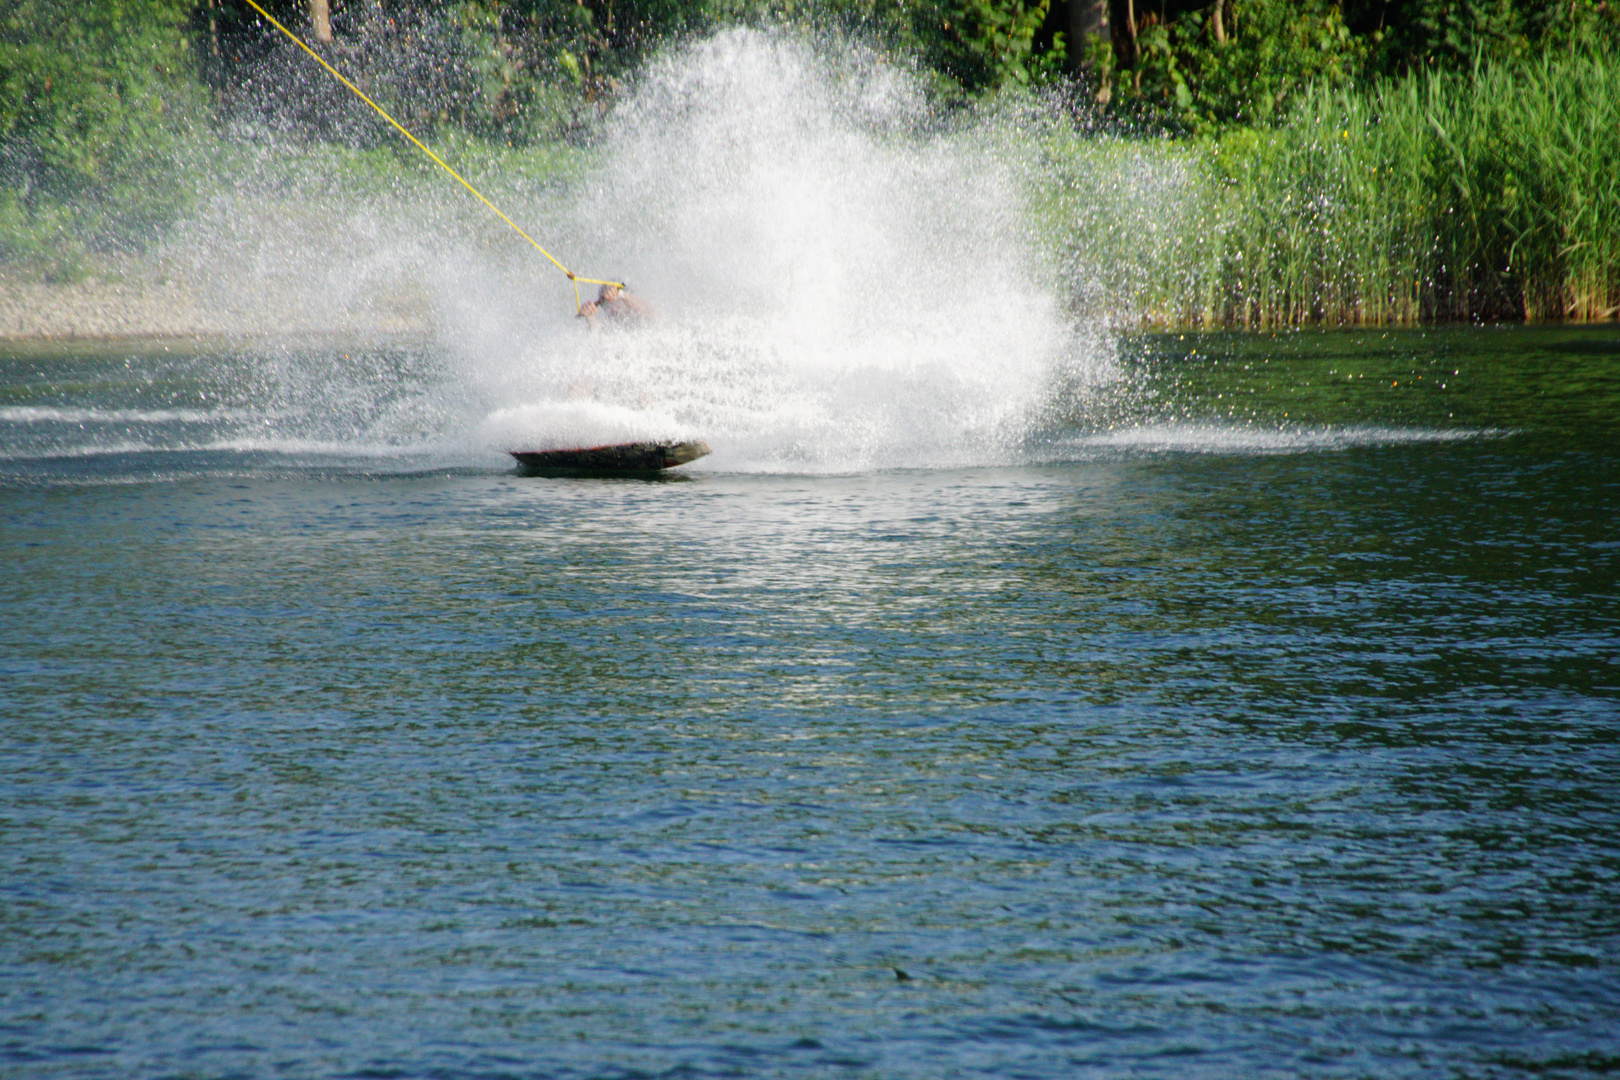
(1261, 719)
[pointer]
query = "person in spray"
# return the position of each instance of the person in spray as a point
(615, 304)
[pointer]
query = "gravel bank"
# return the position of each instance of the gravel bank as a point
(100, 310)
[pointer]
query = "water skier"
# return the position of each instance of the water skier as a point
(616, 305)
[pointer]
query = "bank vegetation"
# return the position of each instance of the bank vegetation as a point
(1444, 196)
(1246, 163)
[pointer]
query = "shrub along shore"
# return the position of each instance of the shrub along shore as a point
(1491, 194)
(1434, 192)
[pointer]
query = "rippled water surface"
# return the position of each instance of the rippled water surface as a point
(1257, 717)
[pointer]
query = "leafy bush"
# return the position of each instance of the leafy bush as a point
(1200, 73)
(1485, 194)
(985, 44)
(94, 99)
(1430, 34)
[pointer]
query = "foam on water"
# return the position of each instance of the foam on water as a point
(836, 285)
(38, 414)
(1221, 438)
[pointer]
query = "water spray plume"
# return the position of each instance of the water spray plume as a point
(843, 280)
(846, 279)
(380, 111)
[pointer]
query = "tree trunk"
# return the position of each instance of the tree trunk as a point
(1088, 26)
(320, 14)
(1088, 21)
(1216, 23)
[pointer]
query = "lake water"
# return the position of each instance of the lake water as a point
(1257, 714)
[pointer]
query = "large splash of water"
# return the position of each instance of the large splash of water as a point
(843, 280)
(840, 282)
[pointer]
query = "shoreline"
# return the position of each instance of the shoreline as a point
(99, 310)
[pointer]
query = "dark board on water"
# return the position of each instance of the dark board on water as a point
(637, 457)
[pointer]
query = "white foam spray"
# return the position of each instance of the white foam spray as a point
(839, 282)
(843, 280)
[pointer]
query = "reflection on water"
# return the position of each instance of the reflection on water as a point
(1221, 755)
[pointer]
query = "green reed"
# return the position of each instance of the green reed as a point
(1490, 194)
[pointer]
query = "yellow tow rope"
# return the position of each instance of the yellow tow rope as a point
(338, 75)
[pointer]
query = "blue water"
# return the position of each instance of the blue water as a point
(1277, 739)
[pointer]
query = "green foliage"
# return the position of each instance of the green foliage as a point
(1399, 161)
(1199, 65)
(1454, 31)
(1426, 34)
(93, 98)
(1269, 52)
(1523, 156)
(987, 44)
(534, 64)
(317, 173)
(1486, 194)
(526, 51)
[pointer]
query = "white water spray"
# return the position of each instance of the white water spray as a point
(836, 288)
(843, 281)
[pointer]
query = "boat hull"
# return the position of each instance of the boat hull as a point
(636, 457)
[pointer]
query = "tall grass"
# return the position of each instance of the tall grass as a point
(1490, 194)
